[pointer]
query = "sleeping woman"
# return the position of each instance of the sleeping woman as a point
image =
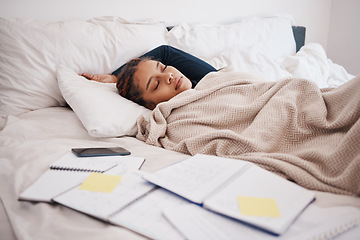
(156, 76)
(291, 127)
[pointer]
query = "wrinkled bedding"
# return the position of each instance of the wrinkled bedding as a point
(310, 62)
(291, 127)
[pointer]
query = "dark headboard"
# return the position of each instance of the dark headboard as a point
(298, 31)
(299, 35)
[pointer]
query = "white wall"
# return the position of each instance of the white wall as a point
(344, 34)
(314, 14)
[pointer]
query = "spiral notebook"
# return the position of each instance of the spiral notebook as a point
(237, 189)
(71, 162)
(70, 170)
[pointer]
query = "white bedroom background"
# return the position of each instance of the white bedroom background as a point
(344, 35)
(324, 19)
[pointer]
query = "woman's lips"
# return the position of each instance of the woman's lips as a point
(178, 83)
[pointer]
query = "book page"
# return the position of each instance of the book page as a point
(126, 164)
(195, 223)
(52, 183)
(281, 201)
(196, 177)
(145, 215)
(103, 204)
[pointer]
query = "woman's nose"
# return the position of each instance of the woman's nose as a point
(168, 77)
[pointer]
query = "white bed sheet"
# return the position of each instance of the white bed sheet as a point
(30, 142)
(310, 62)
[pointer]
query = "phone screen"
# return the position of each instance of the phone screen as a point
(95, 152)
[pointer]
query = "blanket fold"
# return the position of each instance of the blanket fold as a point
(290, 127)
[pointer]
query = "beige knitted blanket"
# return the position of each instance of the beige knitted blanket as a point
(291, 127)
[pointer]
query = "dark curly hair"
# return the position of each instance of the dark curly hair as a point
(127, 87)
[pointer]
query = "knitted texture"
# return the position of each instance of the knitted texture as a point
(291, 127)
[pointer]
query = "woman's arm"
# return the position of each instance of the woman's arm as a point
(104, 78)
(192, 67)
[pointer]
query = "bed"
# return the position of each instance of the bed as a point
(40, 62)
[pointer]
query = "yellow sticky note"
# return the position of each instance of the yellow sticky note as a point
(258, 206)
(98, 182)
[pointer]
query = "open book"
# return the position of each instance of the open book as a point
(70, 170)
(237, 189)
(133, 203)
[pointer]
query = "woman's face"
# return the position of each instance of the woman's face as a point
(158, 82)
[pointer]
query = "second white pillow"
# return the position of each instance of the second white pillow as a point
(102, 111)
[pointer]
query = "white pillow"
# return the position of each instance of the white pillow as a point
(311, 62)
(271, 35)
(102, 111)
(31, 50)
(253, 61)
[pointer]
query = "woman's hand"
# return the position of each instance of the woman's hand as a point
(104, 78)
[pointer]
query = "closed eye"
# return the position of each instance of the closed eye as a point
(164, 68)
(157, 85)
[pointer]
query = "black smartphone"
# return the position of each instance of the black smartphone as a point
(97, 152)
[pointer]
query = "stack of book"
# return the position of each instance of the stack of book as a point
(202, 197)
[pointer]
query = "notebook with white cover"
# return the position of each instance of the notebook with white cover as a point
(71, 162)
(50, 184)
(220, 183)
(70, 170)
